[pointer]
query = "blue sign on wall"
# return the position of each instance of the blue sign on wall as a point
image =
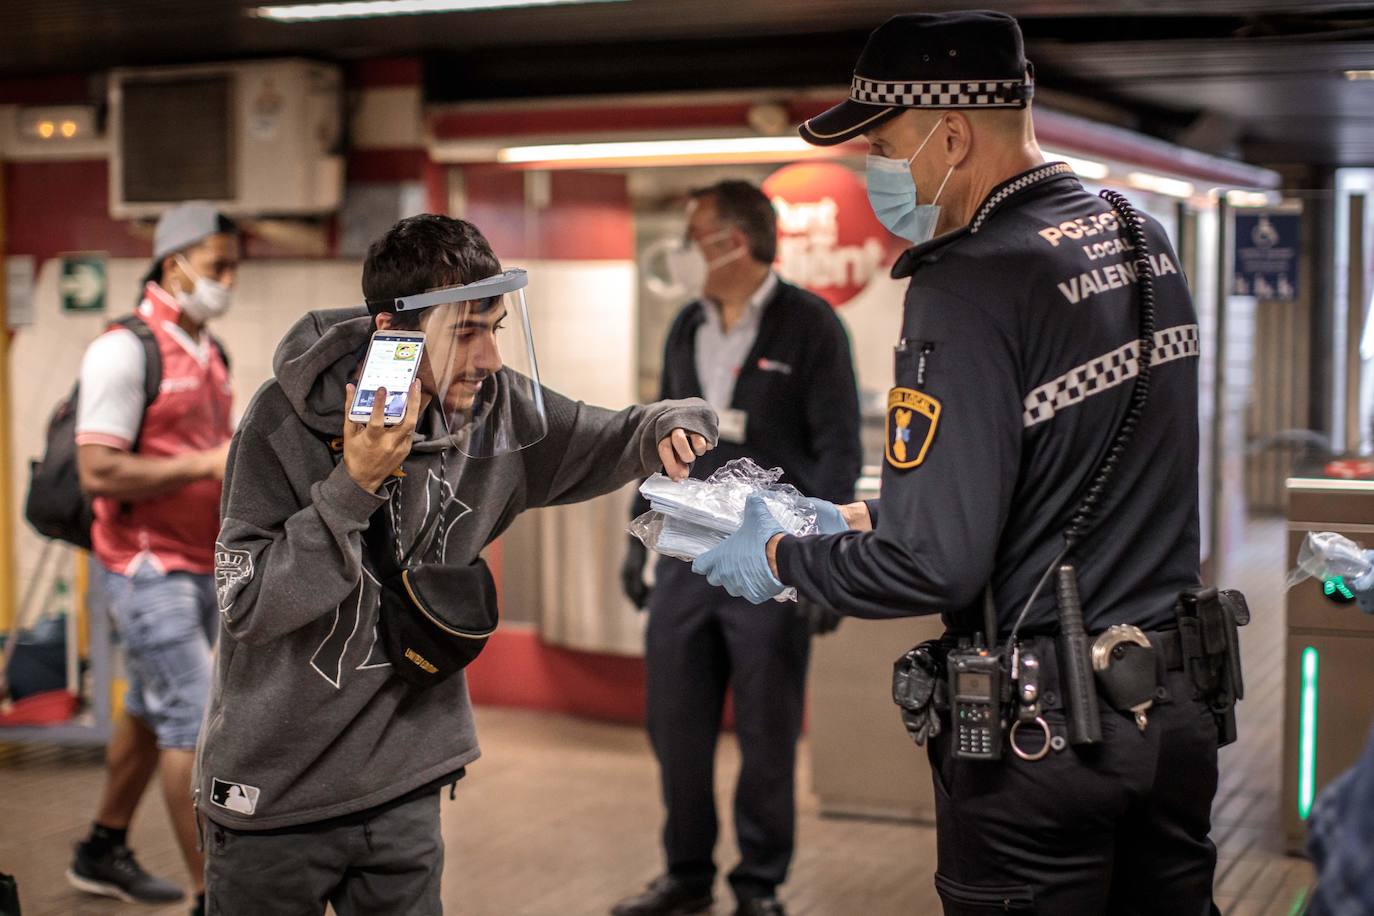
(1266, 255)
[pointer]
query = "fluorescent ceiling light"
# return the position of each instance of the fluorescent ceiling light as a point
(366, 9)
(1083, 168)
(1359, 74)
(1173, 187)
(1238, 198)
(725, 147)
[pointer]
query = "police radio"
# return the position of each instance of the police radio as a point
(976, 678)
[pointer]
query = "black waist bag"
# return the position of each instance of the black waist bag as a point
(436, 619)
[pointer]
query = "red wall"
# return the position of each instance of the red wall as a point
(519, 669)
(588, 217)
(72, 88)
(63, 206)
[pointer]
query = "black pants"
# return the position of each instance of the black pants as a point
(1121, 828)
(389, 860)
(701, 641)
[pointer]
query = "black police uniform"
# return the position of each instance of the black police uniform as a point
(798, 390)
(1014, 371)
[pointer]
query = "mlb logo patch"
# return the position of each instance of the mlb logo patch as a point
(911, 421)
(234, 796)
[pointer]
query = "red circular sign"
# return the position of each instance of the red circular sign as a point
(1350, 469)
(829, 241)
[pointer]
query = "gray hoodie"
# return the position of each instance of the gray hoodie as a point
(306, 721)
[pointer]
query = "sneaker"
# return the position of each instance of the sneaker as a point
(117, 874)
(760, 906)
(666, 896)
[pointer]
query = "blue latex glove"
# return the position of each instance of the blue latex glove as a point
(739, 564)
(829, 519)
(1363, 587)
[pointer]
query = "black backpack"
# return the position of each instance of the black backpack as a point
(56, 506)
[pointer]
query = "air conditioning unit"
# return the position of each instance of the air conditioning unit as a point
(259, 138)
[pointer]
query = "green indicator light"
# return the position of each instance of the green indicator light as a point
(1307, 733)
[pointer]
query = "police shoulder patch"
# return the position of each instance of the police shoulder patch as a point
(911, 421)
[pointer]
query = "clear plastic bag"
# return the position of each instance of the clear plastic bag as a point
(1324, 554)
(689, 517)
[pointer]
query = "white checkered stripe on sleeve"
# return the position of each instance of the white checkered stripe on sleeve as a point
(960, 94)
(1105, 372)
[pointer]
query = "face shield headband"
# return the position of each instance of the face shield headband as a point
(479, 371)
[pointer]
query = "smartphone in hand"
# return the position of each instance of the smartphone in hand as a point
(393, 358)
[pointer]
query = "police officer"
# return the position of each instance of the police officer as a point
(1016, 368)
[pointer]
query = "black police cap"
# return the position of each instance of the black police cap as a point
(971, 59)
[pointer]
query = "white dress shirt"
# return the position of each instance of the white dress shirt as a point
(721, 353)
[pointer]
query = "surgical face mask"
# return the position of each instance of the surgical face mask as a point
(207, 299)
(688, 267)
(892, 194)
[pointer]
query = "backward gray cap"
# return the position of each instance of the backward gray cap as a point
(185, 225)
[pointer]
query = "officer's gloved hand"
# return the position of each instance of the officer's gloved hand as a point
(739, 564)
(820, 619)
(1364, 586)
(632, 573)
(829, 519)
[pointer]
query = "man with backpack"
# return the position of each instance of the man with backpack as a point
(152, 430)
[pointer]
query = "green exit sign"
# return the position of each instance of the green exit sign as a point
(81, 283)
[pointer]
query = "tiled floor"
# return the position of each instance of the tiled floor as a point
(560, 816)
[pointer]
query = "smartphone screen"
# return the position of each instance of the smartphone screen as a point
(392, 361)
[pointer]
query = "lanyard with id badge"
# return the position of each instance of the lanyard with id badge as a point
(734, 424)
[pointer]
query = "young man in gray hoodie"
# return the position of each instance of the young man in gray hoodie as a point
(318, 767)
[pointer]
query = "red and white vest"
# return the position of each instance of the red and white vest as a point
(176, 530)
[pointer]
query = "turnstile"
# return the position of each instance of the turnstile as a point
(1328, 655)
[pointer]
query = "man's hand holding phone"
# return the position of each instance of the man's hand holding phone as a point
(373, 451)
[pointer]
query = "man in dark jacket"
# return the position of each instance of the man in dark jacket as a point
(774, 362)
(319, 763)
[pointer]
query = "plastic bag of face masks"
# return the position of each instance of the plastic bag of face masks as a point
(689, 517)
(1324, 554)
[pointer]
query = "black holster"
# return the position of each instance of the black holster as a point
(1209, 624)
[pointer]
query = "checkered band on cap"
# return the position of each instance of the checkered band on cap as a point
(943, 94)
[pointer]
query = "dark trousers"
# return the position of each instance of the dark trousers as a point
(388, 860)
(700, 642)
(1121, 828)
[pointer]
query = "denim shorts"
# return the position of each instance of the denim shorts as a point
(167, 623)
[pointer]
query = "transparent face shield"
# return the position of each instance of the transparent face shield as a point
(479, 372)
